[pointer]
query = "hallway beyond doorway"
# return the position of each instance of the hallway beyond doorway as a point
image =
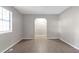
(40, 28)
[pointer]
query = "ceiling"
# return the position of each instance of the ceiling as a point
(41, 9)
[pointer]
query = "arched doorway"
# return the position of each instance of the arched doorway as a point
(40, 28)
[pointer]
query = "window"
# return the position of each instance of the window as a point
(5, 20)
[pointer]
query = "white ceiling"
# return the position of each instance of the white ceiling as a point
(41, 9)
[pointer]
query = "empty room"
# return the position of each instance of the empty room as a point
(39, 29)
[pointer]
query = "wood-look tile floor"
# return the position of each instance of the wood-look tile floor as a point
(42, 46)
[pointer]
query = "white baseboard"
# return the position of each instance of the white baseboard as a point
(53, 38)
(47, 38)
(11, 46)
(27, 38)
(69, 44)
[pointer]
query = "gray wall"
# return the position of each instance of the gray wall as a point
(69, 26)
(65, 26)
(7, 39)
(52, 25)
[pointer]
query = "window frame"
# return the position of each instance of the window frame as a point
(4, 20)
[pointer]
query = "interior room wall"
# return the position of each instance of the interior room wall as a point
(52, 25)
(9, 39)
(69, 26)
(65, 26)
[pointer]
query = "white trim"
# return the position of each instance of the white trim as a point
(11, 46)
(47, 38)
(4, 32)
(69, 43)
(27, 38)
(53, 37)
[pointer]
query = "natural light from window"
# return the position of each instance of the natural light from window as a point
(5, 20)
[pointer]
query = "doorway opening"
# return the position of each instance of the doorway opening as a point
(40, 28)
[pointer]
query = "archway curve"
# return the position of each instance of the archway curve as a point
(40, 28)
